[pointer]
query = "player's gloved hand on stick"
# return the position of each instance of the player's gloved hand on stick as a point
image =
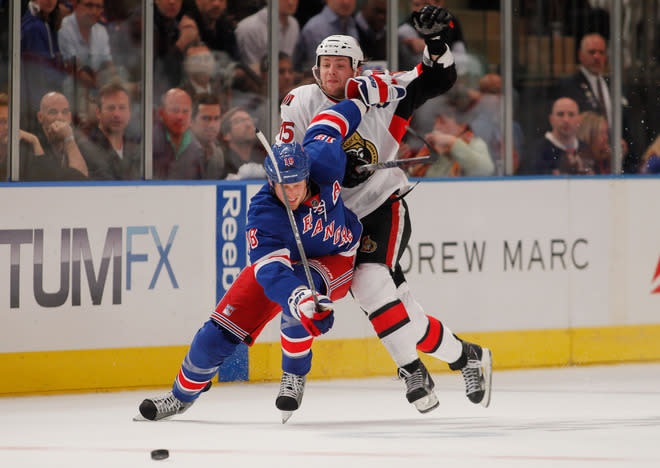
(356, 157)
(373, 89)
(302, 307)
(436, 25)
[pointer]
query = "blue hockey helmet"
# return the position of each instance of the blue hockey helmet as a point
(292, 162)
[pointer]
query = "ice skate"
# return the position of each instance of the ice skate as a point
(292, 388)
(476, 365)
(419, 386)
(155, 409)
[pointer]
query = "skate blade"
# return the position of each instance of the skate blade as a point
(286, 415)
(427, 403)
(139, 418)
(487, 366)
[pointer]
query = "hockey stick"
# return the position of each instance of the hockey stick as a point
(394, 163)
(432, 157)
(292, 221)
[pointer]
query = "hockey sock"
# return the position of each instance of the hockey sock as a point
(374, 289)
(440, 342)
(211, 345)
(296, 346)
(417, 315)
(392, 325)
(435, 340)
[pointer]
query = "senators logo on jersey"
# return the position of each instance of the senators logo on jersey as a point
(358, 153)
(357, 147)
(367, 245)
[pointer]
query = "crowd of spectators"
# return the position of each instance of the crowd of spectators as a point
(81, 74)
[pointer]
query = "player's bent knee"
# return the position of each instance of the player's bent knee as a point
(212, 345)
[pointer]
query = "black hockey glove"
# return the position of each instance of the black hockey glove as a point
(356, 157)
(436, 25)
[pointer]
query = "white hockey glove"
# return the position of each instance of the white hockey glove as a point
(302, 307)
(436, 25)
(372, 90)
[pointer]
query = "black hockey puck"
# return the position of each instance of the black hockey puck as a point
(160, 454)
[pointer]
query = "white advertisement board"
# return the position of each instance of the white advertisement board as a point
(490, 256)
(135, 266)
(105, 267)
(635, 294)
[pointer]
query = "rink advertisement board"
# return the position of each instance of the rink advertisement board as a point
(121, 276)
(105, 267)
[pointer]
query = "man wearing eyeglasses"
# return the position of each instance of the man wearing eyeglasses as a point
(84, 42)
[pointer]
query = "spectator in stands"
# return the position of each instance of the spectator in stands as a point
(206, 127)
(286, 75)
(371, 21)
(32, 165)
(125, 32)
(412, 45)
(252, 33)
(560, 151)
(215, 30)
(199, 68)
(651, 159)
(171, 37)
(473, 100)
(335, 18)
(56, 135)
(40, 55)
(109, 154)
(589, 89)
(593, 131)
(85, 47)
(176, 152)
(84, 42)
(241, 145)
(461, 152)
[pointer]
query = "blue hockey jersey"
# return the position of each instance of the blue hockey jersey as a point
(325, 225)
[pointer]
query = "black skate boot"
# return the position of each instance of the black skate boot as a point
(155, 409)
(289, 399)
(476, 365)
(419, 386)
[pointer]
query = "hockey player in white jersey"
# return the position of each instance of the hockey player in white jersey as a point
(307, 182)
(377, 197)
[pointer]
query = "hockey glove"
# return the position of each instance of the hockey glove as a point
(436, 25)
(355, 157)
(372, 90)
(302, 307)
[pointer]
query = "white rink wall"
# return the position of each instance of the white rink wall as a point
(129, 272)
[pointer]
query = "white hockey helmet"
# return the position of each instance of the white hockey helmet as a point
(343, 46)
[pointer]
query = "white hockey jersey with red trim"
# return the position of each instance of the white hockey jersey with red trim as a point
(380, 131)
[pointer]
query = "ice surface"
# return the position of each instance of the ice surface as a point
(571, 417)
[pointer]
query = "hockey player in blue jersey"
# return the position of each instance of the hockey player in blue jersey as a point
(275, 279)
